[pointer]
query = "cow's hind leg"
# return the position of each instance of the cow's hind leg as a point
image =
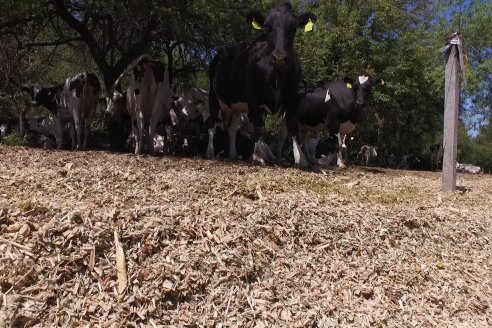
(213, 102)
(281, 138)
(305, 136)
(59, 132)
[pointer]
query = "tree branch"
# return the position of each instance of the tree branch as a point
(51, 43)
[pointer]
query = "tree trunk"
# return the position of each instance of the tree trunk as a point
(380, 142)
(22, 122)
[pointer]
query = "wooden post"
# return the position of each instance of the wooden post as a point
(451, 105)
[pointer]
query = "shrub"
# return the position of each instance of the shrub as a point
(14, 139)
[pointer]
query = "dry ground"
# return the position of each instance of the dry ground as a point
(212, 244)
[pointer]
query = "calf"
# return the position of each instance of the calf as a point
(3, 130)
(334, 107)
(149, 100)
(324, 150)
(436, 156)
(43, 125)
(368, 154)
(411, 162)
(468, 168)
(74, 101)
(117, 119)
(263, 74)
(190, 111)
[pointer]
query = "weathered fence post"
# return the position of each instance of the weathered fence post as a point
(453, 53)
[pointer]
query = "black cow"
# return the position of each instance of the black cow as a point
(250, 77)
(334, 106)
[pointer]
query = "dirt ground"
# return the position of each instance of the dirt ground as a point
(94, 239)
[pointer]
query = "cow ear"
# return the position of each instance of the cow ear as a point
(349, 82)
(256, 19)
(307, 21)
(379, 82)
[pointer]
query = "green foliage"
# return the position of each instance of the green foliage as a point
(14, 139)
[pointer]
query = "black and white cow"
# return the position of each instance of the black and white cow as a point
(74, 101)
(149, 100)
(265, 73)
(334, 107)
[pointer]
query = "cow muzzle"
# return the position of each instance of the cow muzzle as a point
(34, 103)
(279, 60)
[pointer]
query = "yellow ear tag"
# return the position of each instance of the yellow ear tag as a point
(382, 82)
(349, 85)
(255, 24)
(309, 26)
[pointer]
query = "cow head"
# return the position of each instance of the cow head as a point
(41, 96)
(362, 86)
(279, 27)
(189, 108)
(115, 105)
(117, 119)
(77, 84)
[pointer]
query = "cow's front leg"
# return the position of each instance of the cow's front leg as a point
(232, 131)
(292, 121)
(262, 153)
(77, 121)
(138, 131)
(73, 136)
(150, 136)
(59, 132)
(87, 129)
(341, 140)
(281, 137)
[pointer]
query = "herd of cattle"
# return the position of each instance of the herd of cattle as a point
(247, 82)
